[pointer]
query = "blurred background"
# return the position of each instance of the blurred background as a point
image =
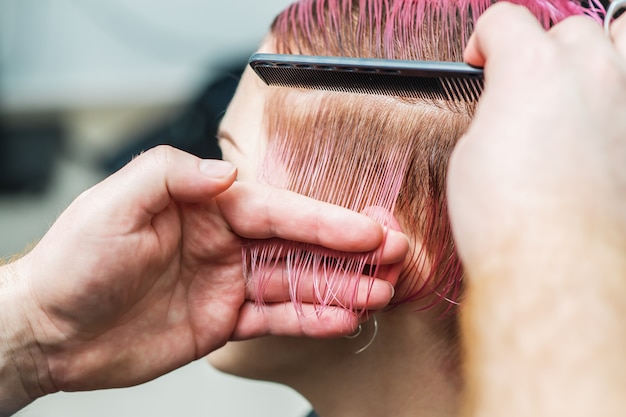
(84, 86)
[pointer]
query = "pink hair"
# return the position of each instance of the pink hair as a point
(317, 27)
(398, 150)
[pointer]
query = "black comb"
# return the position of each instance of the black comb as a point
(430, 80)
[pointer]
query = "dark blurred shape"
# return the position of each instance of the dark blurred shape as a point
(28, 153)
(194, 129)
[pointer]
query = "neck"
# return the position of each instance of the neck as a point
(410, 369)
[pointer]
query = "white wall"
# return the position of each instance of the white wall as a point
(100, 52)
(71, 55)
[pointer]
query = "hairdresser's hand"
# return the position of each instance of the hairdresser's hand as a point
(547, 149)
(537, 194)
(142, 274)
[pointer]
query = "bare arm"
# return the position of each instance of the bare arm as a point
(545, 328)
(538, 204)
(14, 350)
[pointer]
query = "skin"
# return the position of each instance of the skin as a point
(565, 360)
(544, 313)
(327, 372)
(142, 274)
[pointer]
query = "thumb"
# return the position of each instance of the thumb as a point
(162, 174)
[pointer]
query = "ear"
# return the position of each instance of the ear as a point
(409, 275)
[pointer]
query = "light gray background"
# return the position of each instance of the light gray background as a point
(106, 67)
(96, 52)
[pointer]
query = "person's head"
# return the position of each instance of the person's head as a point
(364, 150)
(359, 150)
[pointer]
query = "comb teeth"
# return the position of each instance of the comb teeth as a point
(414, 79)
(461, 89)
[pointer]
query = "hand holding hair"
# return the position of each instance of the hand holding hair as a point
(537, 193)
(143, 274)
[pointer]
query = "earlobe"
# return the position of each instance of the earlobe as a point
(413, 273)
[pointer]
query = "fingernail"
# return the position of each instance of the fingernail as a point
(216, 168)
(393, 290)
(397, 234)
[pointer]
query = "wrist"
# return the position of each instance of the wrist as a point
(547, 308)
(23, 372)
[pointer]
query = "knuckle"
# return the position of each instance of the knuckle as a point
(574, 30)
(505, 8)
(161, 154)
(153, 160)
(497, 13)
(505, 12)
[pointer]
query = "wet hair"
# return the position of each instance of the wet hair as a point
(360, 151)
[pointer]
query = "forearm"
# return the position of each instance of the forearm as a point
(545, 331)
(19, 360)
